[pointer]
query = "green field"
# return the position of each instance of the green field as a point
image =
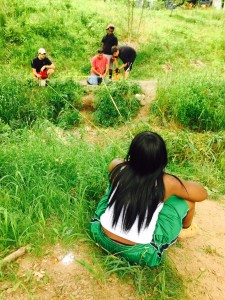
(52, 173)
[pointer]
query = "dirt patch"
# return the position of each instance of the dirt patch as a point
(197, 63)
(201, 259)
(149, 88)
(62, 274)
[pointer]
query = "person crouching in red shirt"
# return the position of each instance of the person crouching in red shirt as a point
(99, 68)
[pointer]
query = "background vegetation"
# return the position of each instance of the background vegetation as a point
(50, 179)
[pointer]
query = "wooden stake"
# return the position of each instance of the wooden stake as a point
(13, 256)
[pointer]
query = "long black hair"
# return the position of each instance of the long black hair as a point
(137, 183)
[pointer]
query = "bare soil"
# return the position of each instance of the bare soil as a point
(200, 259)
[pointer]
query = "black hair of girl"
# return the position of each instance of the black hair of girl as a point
(138, 182)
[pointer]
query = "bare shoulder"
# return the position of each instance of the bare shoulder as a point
(169, 179)
(170, 183)
(115, 162)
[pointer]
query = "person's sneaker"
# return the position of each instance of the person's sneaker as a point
(99, 80)
(42, 82)
(188, 232)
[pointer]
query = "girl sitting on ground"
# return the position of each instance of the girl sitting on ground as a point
(144, 208)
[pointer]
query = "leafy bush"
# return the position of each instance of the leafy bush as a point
(196, 102)
(116, 103)
(21, 103)
(61, 95)
(17, 107)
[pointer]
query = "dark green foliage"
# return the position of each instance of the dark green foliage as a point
(21, 103)
(16, 107)
(63, 94)
(68, 118)
(116, 103)
(196, 102)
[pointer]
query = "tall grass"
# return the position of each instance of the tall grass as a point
(54, 180)
(195, 101)
(22, 103)
(116, 103)
(44, 178)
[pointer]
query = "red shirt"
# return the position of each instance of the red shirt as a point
(99, 63)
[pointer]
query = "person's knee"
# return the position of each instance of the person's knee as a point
(191, 204)
(50, 72)
(187, 221)
(93, 80)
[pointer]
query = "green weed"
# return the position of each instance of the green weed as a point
(151, 283)
(21, 104)
(116, 103)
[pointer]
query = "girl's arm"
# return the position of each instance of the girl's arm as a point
(190, 190)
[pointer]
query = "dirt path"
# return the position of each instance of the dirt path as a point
(201, 259)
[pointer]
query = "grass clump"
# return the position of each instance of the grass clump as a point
(196, 102)
(16, 107)
(64, 99)
(47, 185)
(22, 103)
(116, 103)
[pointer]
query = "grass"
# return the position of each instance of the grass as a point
(50, 179)
(157, 283)
(123, 107)
(195, 102)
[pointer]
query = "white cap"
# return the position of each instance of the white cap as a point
(110, 26)
(41, 51)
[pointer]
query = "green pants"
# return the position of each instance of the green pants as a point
(168, 227)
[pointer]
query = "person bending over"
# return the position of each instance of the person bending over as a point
(145, 208)
(99, 68)
(42, 67)
(127, 55)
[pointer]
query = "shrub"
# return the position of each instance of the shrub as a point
(63, 98)
(23, 102)
(196, 102)
(116, 103)
(68, 118)
(17, 108)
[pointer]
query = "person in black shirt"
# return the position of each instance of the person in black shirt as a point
(108, 41)
(128, 55)
(42, 67)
